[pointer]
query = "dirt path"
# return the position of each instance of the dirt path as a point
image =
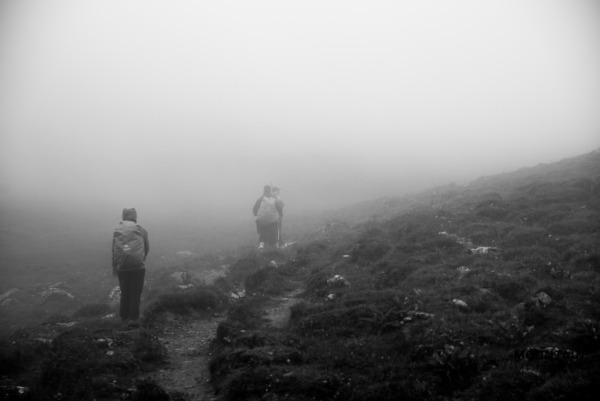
(187, 342)
(278, 311)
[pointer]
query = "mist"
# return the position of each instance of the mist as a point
(184, 110)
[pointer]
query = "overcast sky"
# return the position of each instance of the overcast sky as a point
(184, 104)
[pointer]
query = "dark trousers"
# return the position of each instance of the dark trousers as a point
(268, 233)
(132, 284)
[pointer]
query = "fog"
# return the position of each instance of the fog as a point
(186, 109)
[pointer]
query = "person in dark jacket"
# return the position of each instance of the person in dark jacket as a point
(130, 248)
(268, 211)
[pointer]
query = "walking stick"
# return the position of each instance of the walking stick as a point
(279, 241)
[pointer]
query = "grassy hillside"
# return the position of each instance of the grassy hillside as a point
(407, 305)
(487, 291)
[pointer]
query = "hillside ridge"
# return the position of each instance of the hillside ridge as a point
(456, 293)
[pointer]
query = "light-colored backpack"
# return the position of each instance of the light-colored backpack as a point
(128, 246)
(267, 213)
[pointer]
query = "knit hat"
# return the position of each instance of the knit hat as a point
(130, 214)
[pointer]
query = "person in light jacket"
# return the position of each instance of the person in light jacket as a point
(268, 211)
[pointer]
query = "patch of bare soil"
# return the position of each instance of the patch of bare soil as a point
(187, 344)
(278, 310)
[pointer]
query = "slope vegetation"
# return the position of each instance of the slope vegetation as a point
(489, 291)
(458, 293)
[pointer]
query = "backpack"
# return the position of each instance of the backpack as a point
(128, 246)
(267, 213)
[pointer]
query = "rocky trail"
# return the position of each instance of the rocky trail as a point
(278, 310)
(187, 342)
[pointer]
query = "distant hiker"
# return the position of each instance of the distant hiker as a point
(129, 250)
(275, 192)
(268, 211)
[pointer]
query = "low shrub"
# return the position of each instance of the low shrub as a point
(576, 225)
(17, 355)
(307, 254)
(80, 367)
(247, 312)
(267, 280)
(242, 268)
(148, 348)
(223, 284)
(198, 299)
(524, 236)
(387, 275)
(275, 382)
(492, 212)
(511, 288)
(316, 283)
(573, 385)
(149, 390)
(369, 250)
(507, 384)
(482, 233)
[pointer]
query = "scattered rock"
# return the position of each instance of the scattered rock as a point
(462, 241)
(11, 392)
(485, 291)
(237, 294)
(542, 299)
(462, 270)
(114, 296)
(460, 303)
(337, 281)
(416, 315)
(185, 287)
(482, 250)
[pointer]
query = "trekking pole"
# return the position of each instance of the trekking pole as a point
(279, 232)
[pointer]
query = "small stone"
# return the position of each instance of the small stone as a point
(460, 303)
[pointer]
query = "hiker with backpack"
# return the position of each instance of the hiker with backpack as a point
(129, 250)
(268, 211)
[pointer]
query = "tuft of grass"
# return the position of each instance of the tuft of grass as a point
(197, 299)
(268, 280)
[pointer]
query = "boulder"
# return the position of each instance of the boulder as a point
(55, 294)
(7, 299)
